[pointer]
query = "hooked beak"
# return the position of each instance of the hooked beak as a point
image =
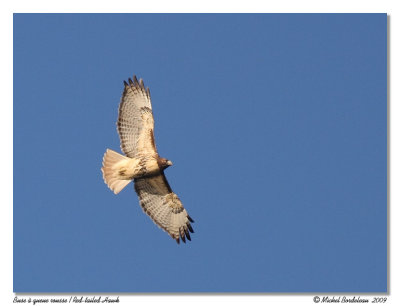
(169, 163)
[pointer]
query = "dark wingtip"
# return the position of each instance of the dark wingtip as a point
(190, 227)
(135, 79)
(190, 219)
(125, 84)
(187, 234)
(177, 240)
(183, 237)
(130, 81)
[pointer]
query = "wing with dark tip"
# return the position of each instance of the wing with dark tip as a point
(135, 120)
(164, 207)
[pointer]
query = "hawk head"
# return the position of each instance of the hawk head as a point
(164, 163)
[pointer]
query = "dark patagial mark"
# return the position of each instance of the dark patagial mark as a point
(166, 182)
(153, 143)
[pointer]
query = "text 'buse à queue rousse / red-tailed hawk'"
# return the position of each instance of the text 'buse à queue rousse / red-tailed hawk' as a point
(143, 165)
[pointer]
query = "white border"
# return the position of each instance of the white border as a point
(250, 6)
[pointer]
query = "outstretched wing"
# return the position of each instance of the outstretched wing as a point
(163, 206)
(135, 120)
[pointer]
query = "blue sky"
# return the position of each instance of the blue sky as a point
(276, 125)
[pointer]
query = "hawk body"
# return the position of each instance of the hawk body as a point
(143, 165)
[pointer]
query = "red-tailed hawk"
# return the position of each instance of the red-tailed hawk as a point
(143, 165)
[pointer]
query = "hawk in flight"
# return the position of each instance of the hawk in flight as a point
(143, 165)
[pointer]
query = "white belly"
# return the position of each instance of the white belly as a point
(132, 168)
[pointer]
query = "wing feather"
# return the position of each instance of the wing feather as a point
(163, 206)
(135, 120)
